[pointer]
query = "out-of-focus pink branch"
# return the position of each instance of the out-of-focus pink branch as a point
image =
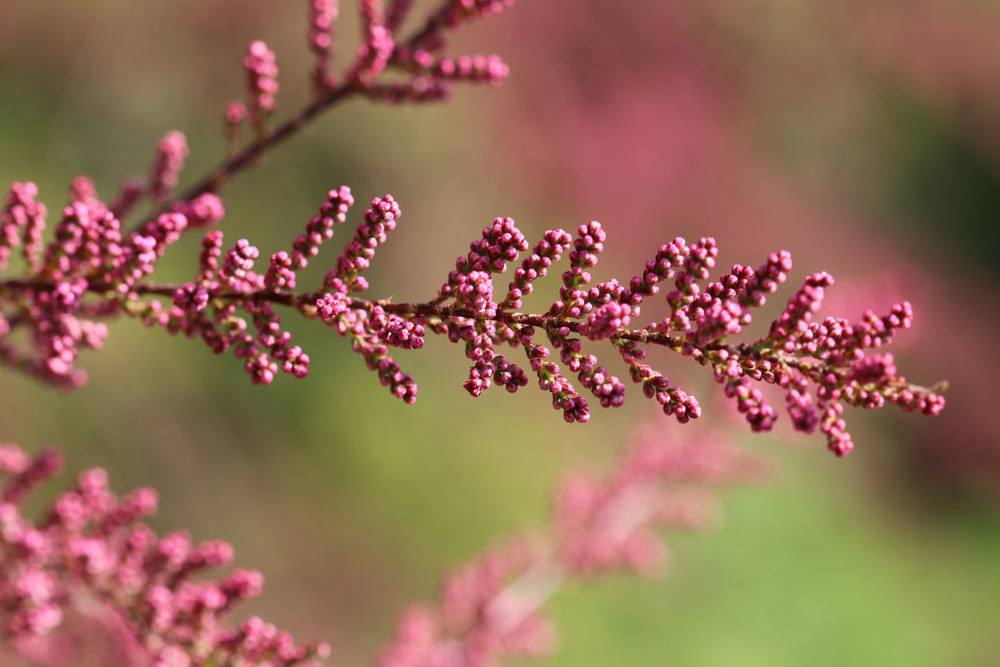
(491, 609)
(91, 556)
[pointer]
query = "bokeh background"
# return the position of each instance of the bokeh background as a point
(862, 135)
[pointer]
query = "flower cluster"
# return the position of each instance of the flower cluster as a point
(427, 74)
(491, 608)
(92, 252)
(261, 67)
(90, 560)
(481, 616)
(167, 167)
(322, 16)
(91, 554)
(92, 270)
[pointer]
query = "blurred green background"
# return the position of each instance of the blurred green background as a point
(863, 137)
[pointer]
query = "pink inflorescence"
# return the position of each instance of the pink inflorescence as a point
(479, 68)
(491, 608)
(602, 524)
(167, 165)
(21, 224)
(159, 185)
(322, 16)
(90, 554)
(261, 67)
(91, 269)
(430, 72)
(373, 55)
(427, 73)
(477, 623)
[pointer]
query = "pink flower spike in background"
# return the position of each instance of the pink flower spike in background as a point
(90, 554)
(490, 610)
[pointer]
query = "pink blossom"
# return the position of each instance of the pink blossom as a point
(91, 555)
(322, 16)
(261, 67)
(167, 166)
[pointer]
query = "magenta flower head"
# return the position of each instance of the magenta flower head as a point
(491, 609)
(475, 623)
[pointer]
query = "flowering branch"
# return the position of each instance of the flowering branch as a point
(92, 271)
(92, 548)
(91, 554)
(491, 608)
(90, 557)
(427, 76)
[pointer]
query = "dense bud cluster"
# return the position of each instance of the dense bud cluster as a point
(427, 73)
(167, 166)
(21, 224)
(90, 554)
(95, 268)
(90, 267)
(322, 15)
